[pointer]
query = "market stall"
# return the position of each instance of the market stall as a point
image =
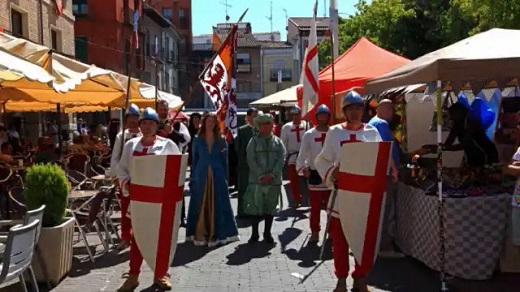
(455, 219)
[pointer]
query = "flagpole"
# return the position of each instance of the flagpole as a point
(333, 80)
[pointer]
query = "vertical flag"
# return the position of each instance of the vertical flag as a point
(135, 22)
(219, 81)
(333, 25)
(310, 69)
(59, 7)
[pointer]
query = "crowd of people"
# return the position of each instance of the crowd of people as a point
(306, 152)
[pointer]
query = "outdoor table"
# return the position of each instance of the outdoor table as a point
(475, 230)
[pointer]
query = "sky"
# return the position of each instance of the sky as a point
(207, 13)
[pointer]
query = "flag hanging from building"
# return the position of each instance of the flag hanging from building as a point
(135, 23)
(311, 69)
(59, 6)
(219, 81)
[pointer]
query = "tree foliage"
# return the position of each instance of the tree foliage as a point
(413, 28)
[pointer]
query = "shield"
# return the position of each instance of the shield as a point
(362, 180)
(156, 191)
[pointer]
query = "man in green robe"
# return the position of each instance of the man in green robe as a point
(245, 133)
(266, 159)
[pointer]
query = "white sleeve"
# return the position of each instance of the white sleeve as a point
(122, 168)
(516, 156)
(285, 137)
(185, 133)
(304, 155)
(170, 148)
(325, 162)
(116, 154)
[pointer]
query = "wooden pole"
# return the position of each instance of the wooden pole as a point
(333, 84)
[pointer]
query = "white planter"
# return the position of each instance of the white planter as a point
(55, 248)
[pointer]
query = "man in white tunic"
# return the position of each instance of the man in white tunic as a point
(291, 135)
(312, 144)
(131, 130)
(327, 164)
(148, 144)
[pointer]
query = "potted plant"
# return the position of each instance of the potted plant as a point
(47, 184)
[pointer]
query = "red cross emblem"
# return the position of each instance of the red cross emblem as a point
(363, 175)
(353, 139)
(297, 130)
(321, 138)
(157, 249)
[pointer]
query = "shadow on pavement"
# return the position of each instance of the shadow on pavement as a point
(245, 252)
(288, 236)
(187, 252)
(85, 266)
(295, 214)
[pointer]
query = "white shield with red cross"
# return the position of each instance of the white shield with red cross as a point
(156, 192)
(362, 180)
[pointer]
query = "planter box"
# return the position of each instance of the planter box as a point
(55, 248)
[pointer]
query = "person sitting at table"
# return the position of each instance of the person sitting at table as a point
(478, 148)
(4, 157)
(46, 152)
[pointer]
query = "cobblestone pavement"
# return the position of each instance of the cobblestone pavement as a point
(241, 267)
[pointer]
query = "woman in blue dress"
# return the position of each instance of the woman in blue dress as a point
(210, 216)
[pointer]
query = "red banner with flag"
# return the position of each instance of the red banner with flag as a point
(219, 81)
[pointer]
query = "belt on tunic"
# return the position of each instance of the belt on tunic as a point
(289, 156)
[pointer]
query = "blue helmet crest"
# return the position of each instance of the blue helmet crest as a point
(351, 97)
(132, 110)
(149, 114)
(323, 109)
(295, 110)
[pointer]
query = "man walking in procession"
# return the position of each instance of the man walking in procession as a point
(131, 131)
(327, 164)
(385, 113)
(291, 136)
(265, 157)
(148, 144)
(245, 133)
(312, 144)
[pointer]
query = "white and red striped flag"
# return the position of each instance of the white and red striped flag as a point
(310, 69)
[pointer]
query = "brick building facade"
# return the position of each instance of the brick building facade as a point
(34, 20)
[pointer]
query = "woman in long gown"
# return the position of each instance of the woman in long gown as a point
(210, 216)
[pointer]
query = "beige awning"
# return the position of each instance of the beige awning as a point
(286, 97)
(82, 83)
(491, 55)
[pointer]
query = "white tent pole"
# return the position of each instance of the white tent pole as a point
(439, 183)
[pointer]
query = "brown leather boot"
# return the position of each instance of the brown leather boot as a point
(130, 284)
(163, 284)
(360, 285)
(341, 285)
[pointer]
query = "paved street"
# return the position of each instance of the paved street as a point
(242, 267)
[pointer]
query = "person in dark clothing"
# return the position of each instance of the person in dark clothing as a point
(479, 149)
(193, 128)
(175, 136)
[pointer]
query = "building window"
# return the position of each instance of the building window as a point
(244, 86)
(286, 74)
(167, 13)
(167, 82)
(17, 23)
(81, 46)
(80, 7)
(243, 63)
(55, 40)
(183, 19)
(147, 45)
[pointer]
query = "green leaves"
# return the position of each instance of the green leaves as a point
(413, 28)
(46, 184)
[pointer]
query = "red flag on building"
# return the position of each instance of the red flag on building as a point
(219, 81)
(59, 6)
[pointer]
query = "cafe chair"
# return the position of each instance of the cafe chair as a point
(18, 253)
(30, 217)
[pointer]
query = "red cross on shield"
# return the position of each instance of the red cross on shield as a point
(156, 192)
(362, 180)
